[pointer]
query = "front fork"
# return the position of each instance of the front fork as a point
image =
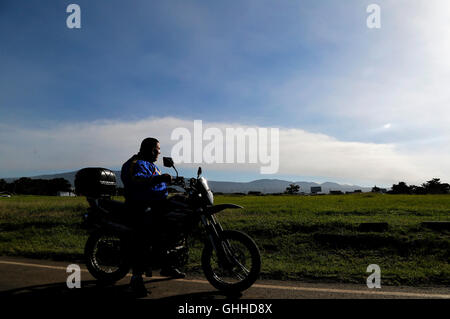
(219, 244)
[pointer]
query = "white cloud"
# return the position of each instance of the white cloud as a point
(391, 85)
(110, 143)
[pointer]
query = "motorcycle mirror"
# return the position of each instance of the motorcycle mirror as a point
(168, 161)
(199, 172)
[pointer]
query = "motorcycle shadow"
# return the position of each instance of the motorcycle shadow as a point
(89, 289)
(202, 296)
(93, 290)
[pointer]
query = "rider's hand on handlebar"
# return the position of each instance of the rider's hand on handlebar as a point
(179, 180)
(166, 178)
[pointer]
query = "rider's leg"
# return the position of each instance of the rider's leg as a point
(138, 252)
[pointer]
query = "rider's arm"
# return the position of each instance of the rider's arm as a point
(143, 175)
(151, 180)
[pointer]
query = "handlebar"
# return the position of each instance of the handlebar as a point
(178, 181)
(181, 182)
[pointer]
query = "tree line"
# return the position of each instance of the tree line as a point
(29, 186)
(433, 186)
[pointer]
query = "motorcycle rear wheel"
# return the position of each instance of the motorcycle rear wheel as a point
(105, 257)
(246, 266)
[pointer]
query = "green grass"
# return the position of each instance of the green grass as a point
(300, 237)
(317, 237)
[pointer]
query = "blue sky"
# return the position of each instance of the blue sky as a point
(309, 66)
(195, 59)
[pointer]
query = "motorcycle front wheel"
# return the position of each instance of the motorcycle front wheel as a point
(243, 262)
(105, 257)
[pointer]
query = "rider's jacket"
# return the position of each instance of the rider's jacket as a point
(133, 171)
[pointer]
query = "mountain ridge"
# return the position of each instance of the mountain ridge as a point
(260, 185)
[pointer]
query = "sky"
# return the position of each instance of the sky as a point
(352, 105)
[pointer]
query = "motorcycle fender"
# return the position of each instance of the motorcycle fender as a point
(117, 227)
(218, 208)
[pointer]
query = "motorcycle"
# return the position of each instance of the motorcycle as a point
(230, 259)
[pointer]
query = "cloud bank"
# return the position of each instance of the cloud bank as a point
(301, 153)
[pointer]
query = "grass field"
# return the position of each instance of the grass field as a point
(300, 237)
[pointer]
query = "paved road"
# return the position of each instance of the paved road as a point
(21, 277)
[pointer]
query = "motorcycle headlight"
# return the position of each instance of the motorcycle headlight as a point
(206, 192)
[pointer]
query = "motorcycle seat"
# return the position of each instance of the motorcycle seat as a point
(115, 208)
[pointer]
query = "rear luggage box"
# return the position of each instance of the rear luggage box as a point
(95, 182)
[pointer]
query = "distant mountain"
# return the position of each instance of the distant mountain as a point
(260, 185)
(279, 186)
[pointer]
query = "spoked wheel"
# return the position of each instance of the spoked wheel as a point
(106, 258)
(240, 267)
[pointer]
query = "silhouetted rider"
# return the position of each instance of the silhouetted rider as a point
(145, 190)
(143, 181)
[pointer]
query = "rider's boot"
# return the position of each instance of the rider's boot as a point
(138, 287)
(148, 272)
(172, 272)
